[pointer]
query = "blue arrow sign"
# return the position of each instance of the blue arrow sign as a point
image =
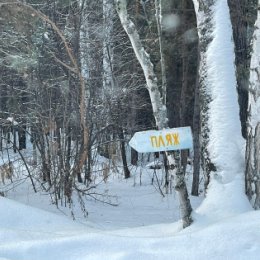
(162, 140)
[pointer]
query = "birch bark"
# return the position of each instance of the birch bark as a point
(253, 139)
(159, 109)
(108, 14)
(205, 25)
(158, 14)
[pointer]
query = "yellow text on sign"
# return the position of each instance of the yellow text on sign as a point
(165, 140)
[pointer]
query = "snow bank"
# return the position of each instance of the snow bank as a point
(16, 216)
(31, 234)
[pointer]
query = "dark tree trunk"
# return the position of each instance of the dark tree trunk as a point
(22, 137)
(196, 140)
(134, 157)
(8, 137)
(1, 138)
(14, 139)
(123, 153)
(243, 15)
(87, 178)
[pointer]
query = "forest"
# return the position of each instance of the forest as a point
(80, 77)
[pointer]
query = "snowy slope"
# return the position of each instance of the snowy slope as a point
(32, 234)
(143, 226)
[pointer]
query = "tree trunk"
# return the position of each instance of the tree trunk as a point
(158, 14)
(108, 11)
(253, 139)
(123, 153)
(22, 137)
(134, 157)
(14, 139)
(218, 93)
(243, 16)
(1, 138)
(204, 23)
(196, 141)
(159, 110)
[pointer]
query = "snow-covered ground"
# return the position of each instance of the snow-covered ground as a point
(144, 225)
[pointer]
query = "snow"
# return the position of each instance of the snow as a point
(144, 225)
(11, 119)
(27, 233)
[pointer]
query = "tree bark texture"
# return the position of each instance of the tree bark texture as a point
(205, 25)
(243, 16)
(253, 139)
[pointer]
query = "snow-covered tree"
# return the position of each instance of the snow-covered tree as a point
(253, 139)
(221, 139)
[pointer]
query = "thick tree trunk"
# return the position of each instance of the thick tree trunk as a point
(159, 110)
(204, 23)
(243, 16)
(253, 139)
(253, 167)
(218, 93)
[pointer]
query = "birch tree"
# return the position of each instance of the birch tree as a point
(108, 13)
(220, 125)
(253, 139)
(159, 109)
(243, 16)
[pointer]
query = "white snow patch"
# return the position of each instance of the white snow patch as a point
(30, 234)
(11, 119)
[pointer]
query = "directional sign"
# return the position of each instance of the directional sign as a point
(163, 140)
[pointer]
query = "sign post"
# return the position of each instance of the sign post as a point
(162, 140)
